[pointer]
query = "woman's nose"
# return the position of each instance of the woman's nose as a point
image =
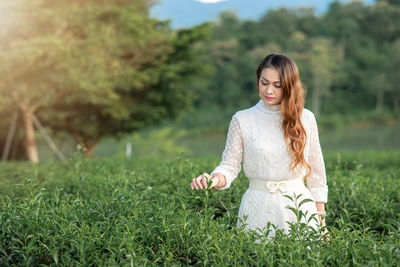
(268, 89)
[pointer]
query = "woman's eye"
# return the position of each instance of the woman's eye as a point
(263, 83)
(278, 86)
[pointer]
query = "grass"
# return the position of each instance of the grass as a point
(142, 212)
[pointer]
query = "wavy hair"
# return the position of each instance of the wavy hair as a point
(291, 107)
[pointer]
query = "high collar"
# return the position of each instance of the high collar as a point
(272, 109)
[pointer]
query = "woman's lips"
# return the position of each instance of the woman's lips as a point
(269, 98)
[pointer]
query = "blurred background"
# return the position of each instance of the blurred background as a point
(160, 78)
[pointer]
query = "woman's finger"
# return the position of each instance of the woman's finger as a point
(201, 181)
(206, 177)
(198, 182)
(215, 181)
(195, 184)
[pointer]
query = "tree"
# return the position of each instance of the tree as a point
(227, 27)
(382, 22)
(323, 57)
(347, 56)
(30, 52)
(343, 23)
(393, 75)
(166, 90)
(96, 69)
(277, 25)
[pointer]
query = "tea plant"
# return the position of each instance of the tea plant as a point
(142, 212)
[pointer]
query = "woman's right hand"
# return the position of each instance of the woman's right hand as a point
(200, 182)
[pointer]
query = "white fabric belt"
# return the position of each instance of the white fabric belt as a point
(273, 186)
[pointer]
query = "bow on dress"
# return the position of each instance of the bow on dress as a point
(273, 186)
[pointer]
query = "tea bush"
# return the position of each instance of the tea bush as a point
(143, 212)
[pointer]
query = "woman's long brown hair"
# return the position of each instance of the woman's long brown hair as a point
(291, 107)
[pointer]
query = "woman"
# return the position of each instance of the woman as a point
(277, 141)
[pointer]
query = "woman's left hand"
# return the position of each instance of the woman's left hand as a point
(325, 234)
(321, 218)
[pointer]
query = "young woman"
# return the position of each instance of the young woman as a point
(277, 142)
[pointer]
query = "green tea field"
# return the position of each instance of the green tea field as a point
(142, 212)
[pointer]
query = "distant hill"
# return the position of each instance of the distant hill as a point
(186, 13)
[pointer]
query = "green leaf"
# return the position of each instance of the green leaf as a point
(289, 197)
(297, 197)
(305, 201)
(295, 211)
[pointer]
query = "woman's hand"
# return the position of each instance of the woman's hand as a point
(321, 218)
(325, 234)
(218, 181)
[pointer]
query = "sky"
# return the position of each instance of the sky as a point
(187, 13)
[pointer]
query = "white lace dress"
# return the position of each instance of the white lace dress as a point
(255, 138)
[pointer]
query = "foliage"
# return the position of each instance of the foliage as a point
(159, 142)
(93, 70)
(142, 211)
(348, 60)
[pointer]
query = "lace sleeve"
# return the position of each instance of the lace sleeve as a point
(316, 182)
(230, 165)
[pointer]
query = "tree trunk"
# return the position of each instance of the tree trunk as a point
(30, 142)
(316, 100)
(396, 107)
(379, 101)
(10, 136)
(90, 149)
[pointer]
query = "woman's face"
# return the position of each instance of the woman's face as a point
(270, 87)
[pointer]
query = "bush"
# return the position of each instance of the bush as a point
(143, 212)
